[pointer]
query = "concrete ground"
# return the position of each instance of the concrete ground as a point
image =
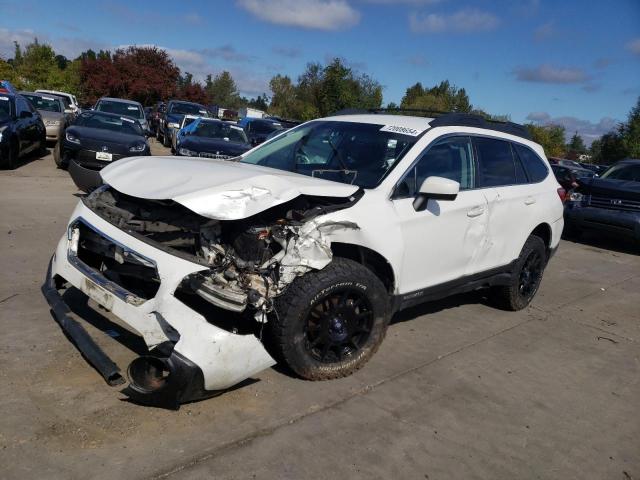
(457, 390)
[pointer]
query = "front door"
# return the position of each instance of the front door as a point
(447, 240)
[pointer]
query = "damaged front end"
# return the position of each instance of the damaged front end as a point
(197, 290)
(248, 261)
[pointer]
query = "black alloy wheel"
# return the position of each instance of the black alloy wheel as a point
(338, 325)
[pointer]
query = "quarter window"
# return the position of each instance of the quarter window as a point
(449, 158)
(533, 164)
(497, 163)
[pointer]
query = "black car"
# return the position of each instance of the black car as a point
(568, 176)
(21, 129)
(598, 169)
(172, 118)
(97, 139)
(258, 129)
(608, 203)
(211, 138)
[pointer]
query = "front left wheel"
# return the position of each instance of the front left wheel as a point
(330, 322)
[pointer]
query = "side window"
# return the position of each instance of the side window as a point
(533, 164)
(21, 106)
(450, 158)
(497, 163)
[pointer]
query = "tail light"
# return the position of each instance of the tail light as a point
(562, 193)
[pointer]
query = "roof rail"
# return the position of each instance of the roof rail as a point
(478, 121)
(443, 119)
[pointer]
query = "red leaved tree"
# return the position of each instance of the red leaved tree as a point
(145, 74)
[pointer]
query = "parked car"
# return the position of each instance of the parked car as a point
(52, 111)
(311, 241)
(97, 139)
(212, 138)
(121, 106)
(568, 177)
(70, 101)
(258, 129)
(609, 203)
(154, 118)
(598, 169)
(172, 118)
(21, 128)
(186, 121)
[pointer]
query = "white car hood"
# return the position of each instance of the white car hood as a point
(217, 189)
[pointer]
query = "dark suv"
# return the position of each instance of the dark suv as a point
(610, 202)
(21, 128)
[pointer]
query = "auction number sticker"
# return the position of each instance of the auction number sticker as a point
(6, 99)
(403, 130)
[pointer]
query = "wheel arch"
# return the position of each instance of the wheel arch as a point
(543, 231)
(371, 259)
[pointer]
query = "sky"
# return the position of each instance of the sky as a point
(573, 62)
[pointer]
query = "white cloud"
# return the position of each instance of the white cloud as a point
(403, 2)
(634, 46)
(589, 131)
(312, 14)
(463, 21)
(70, 47)
(549, 74)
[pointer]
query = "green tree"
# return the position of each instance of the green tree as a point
(37, 66)
(576, 144)
(630, 132)
(7, 72)
(443, 97)
(222, 90)
(551, 137)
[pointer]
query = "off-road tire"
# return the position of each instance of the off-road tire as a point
(513, 297)
(287, 332)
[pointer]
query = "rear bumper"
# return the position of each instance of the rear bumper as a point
(614, 221)
(202, 358)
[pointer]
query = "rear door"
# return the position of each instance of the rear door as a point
(511, 199)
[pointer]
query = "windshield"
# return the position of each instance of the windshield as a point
(50, 104)
(109, 122)
(65, 100)
(188, 109)
(220, 130)
(120, 108)
(5, 108)
(264, 127)
(623, 172)
(357, 153)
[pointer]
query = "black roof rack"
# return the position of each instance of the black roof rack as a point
(443, 119)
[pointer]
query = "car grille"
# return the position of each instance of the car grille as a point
(614, 203)
(115, 262)
(218, 156)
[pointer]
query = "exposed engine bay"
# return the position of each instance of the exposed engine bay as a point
(246, 262)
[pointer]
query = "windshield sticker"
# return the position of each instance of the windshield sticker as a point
(403, 130)
(235, 128)
(132, 108)
(202, 111)
(124, 119)
(6, 99)
(51, 99)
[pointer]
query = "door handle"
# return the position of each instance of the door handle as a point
(529, 201)
(475, 212)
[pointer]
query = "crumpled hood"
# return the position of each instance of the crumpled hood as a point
(216, 189)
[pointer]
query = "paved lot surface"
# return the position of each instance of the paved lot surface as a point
(458, 389)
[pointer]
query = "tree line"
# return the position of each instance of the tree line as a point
(149, 75)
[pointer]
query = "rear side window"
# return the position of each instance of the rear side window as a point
(498, 166)
(533, 164)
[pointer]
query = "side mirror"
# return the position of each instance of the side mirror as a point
(437, 188)
(26, 114)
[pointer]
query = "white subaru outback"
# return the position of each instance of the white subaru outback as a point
(303, 248)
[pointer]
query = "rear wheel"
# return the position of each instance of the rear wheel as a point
(165, 140)
(329, 323)
(57, 156)
(526, 277)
